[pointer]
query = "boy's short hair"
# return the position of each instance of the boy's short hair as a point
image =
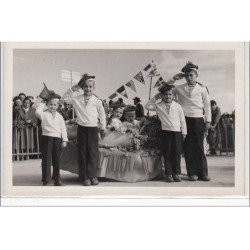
(21, 94)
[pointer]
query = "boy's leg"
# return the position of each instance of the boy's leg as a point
(176, 153)
(199, 156)
(92, 152)
(188, 146)
(47, 145)
(166, 144)
(56, 159)
(82, 152)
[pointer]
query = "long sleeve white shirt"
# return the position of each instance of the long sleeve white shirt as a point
(87, 114)
(51, 126)
(172, 120)
(195, 101)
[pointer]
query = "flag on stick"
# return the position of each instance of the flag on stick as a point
(112, 96)
(158, 83)
(122, 91)
(131, 85)
(147, 67)
(139, 77)
(45, 92)
(153, 73)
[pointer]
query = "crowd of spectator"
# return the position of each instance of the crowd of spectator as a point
(25, 120)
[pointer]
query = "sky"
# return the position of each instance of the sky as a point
(114, 68)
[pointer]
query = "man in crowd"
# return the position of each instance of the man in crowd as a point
(139, 108)
(213, 132)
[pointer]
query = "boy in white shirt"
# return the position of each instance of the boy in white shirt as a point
(90, 114)
(54, 136)
(195, 101)
(173, 127)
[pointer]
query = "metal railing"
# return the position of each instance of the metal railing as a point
(227, 135)
(26, 143)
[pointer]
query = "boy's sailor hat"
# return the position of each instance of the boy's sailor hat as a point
(165, 87)
(190, 66)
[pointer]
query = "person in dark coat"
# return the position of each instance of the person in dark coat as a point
(213, 132)
(139, 111)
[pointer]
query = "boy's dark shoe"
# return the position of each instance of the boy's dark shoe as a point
(94, 181)
(177, 178)
(58, 183)
(204, 178)
(87, 182)
(193, 178)
(169, 178)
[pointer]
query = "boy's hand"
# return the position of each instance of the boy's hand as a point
(178, 76)
(64, 144)
(102, 133)
(158, 96)
(184, 137)
(76, 87)
(208, 124)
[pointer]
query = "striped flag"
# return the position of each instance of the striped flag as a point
(122, 91)
(112, 96)
(131, 85)
(147, 67)
(139, 77)
(158, 83)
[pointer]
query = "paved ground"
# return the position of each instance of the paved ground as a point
(221, 171)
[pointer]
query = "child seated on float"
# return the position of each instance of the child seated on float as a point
(114, 123)
(116, 133)
(131, 124)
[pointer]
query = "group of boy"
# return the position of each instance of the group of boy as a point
(183, 123)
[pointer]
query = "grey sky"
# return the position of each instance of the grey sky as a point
(113, 68)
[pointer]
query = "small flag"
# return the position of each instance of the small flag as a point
(158, 83)
(122, 91)
(112, 96)
(153, 73)
(45, 92)
(139, 77)
(147, 67)
(131, 85)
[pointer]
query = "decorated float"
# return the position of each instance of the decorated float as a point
(129, 157)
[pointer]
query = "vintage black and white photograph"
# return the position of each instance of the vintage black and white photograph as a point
(84, 119)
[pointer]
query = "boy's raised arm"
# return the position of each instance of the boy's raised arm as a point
(39, 106)
(150, 105)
